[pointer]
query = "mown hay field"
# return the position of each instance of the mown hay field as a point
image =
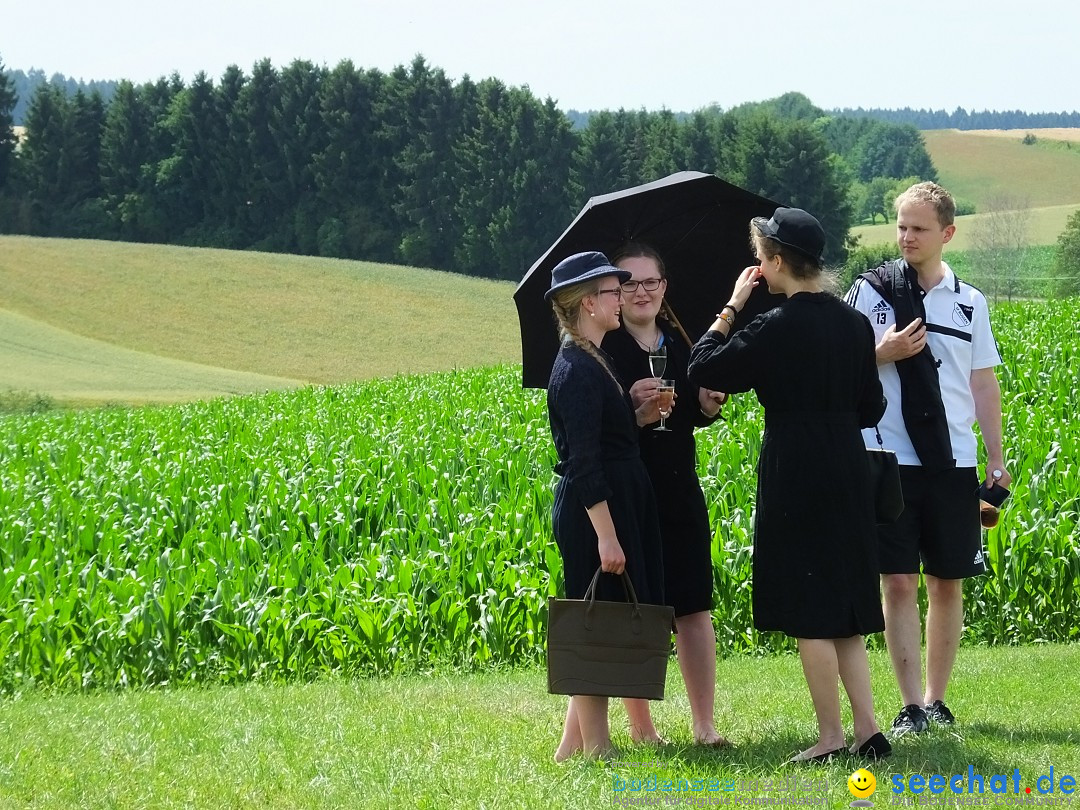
(402, 524)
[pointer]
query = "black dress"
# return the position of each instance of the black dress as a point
(595, 435)
(811, 363)
(671, 459)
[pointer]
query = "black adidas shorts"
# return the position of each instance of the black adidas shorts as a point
(939, 526)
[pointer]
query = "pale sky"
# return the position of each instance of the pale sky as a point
(593, 54)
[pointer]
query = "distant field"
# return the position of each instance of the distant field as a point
(1049, 133)
(977, 167)
(1046, 225)
(41, 358)
(291, 318)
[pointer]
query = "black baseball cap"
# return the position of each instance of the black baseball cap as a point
(795, 229)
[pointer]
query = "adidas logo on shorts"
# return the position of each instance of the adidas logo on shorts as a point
(979, 558)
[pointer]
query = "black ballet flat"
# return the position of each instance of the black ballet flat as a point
(877, 747)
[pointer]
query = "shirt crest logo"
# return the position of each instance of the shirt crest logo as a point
(961, 314)
(881, 306)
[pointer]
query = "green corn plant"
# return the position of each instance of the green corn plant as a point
(403, 524)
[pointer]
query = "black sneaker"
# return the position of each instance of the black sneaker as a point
(911, 720)
(939, 713)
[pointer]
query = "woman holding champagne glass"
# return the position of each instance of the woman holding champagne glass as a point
(604, 514)
(651, 355)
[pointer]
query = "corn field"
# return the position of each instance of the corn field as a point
(404, 524)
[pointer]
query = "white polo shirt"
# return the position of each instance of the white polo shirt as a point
(958, 333)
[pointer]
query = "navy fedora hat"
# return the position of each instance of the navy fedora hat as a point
(796, 229)
(583, 267)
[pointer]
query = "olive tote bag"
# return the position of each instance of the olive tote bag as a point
(613, 649)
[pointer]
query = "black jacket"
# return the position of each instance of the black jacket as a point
(920, 389)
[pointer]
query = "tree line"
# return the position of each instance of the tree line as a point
(965, 119)
(406, 166)
(26, 83)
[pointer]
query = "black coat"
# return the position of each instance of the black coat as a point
(595, 435)
(811, 363)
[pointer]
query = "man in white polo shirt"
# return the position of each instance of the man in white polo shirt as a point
(936, 357)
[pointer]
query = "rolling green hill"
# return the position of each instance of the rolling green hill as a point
(92, 321)
(979, 166)
(37, 357)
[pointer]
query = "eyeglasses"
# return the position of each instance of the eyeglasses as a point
(650, 284)
(617, 292)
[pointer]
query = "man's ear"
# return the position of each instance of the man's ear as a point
(949, 231)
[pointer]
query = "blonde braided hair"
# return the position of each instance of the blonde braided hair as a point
(566, 304)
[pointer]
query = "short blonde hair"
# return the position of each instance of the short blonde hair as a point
(935, 195)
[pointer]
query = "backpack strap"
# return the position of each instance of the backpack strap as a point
(881, 279)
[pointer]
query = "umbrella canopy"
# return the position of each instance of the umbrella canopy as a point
(698, 223)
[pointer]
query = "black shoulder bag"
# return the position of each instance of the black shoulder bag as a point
(885, 482)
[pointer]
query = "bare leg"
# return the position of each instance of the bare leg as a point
(696, 645)
(642, 729)
(592, 713)
(819, 662)
(571, 742)
(855, 673)
(944, 625)
(903, 633)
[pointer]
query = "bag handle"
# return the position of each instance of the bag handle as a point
(631, 594)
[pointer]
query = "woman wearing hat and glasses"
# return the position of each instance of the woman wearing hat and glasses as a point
(604, 514)
(670, 456)
(813, 368)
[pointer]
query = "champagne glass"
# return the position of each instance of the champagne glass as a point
(658, 360)
(666, 390)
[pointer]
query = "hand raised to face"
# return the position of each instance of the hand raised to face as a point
(749, 278)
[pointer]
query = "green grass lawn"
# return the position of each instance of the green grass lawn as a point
(485, 741)
(300, 318)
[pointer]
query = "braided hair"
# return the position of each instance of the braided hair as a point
(566, 304)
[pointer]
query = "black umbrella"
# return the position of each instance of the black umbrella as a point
(698, 224)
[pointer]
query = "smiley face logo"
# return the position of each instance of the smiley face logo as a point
(862, 784)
